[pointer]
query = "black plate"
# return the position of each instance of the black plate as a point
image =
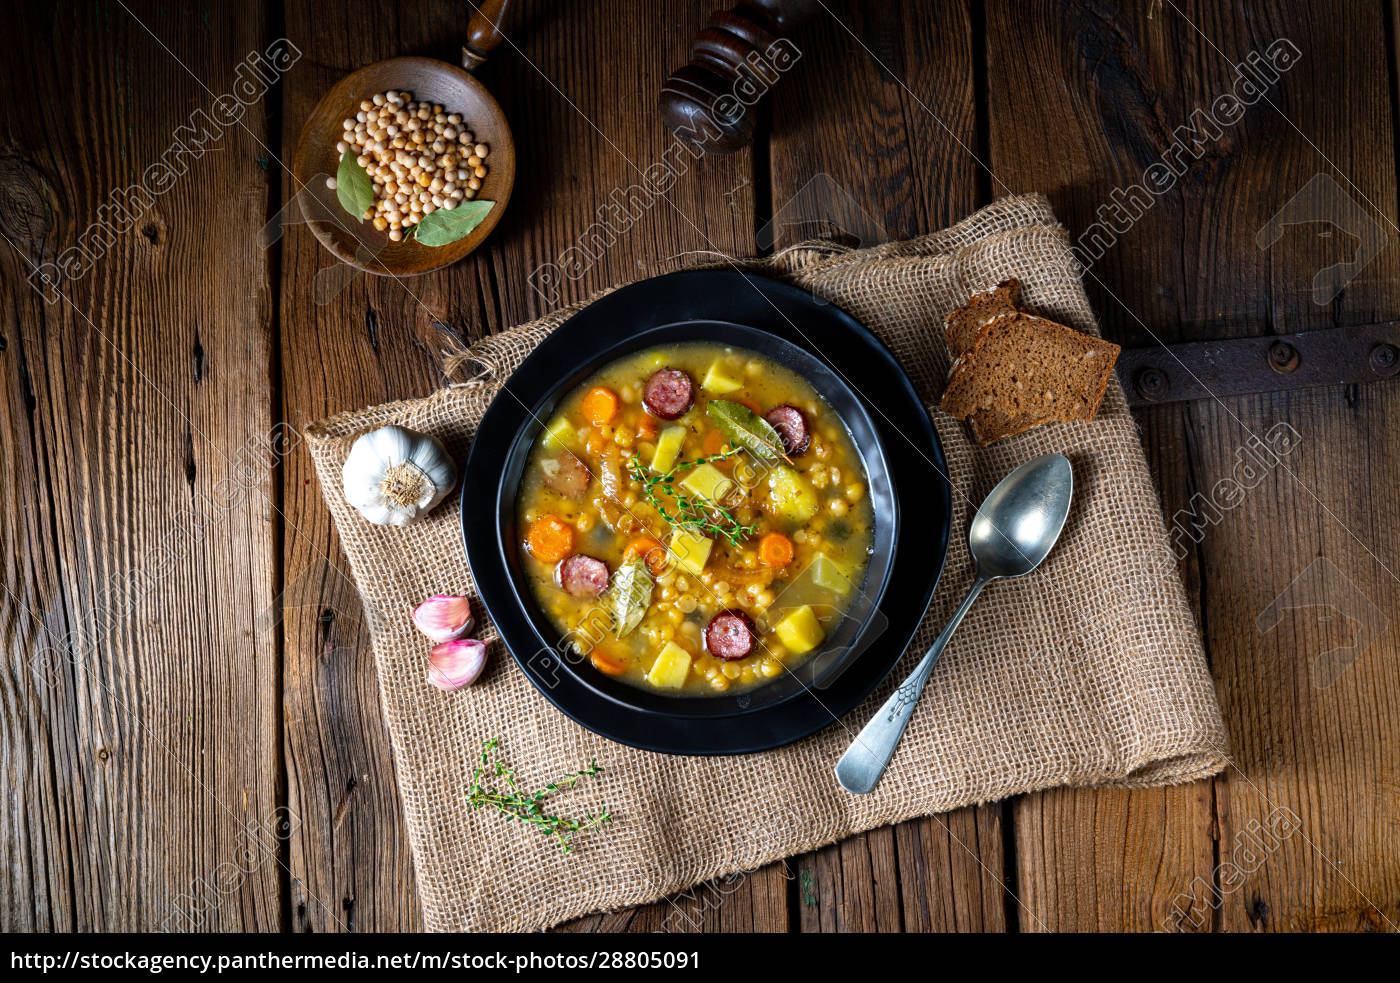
(892, 431)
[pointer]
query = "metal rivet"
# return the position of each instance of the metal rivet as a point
(1151, 383)
(1385, 359)
(1283, 357)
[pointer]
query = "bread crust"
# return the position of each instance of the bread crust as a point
(1021, 371)
(961, 326)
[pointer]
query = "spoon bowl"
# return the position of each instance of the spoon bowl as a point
(1021, 519)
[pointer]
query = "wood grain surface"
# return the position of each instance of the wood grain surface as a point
(190, 716)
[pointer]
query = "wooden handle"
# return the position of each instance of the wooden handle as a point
(698, 101)
(483, 33)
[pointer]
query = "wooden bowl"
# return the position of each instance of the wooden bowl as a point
(358, 242)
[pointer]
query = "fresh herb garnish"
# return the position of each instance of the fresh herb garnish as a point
(691, 512)
(353, 186)
(527, 807)
(443, 225)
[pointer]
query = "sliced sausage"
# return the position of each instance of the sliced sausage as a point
(582, 576)
(730, 635)
(792, 428)
(566, 474)
(668, 393)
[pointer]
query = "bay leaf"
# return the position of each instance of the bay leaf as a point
(629, 595)
(443, 226)
(745, 428)
(353, 186)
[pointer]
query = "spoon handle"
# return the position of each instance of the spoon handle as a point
(865, 760)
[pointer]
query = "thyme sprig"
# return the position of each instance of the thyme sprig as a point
(691, 512)
(514, 804)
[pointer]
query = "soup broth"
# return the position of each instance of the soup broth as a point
(694, 519)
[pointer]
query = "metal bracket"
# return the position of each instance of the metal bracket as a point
(1238, 366)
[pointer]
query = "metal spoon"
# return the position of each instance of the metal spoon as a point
(1011, 534)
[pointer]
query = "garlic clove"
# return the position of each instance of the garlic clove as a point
(380, 515)
(428, 454)
(456, 664)
(444, 617)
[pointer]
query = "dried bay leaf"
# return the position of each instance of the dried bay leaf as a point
(629, 595)
(444, 226)
(353, 186)
(745, 428)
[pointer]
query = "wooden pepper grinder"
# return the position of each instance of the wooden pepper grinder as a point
(736, 57)
(483, 32)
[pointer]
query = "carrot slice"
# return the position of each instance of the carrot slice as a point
(606, 663)
(648, 427)
(599, 406)
(550, 539)
(651, 551)
(776, 550)
(713, 443)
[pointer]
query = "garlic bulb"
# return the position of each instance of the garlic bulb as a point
(393, 475)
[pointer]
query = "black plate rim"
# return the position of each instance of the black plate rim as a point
(703, 295)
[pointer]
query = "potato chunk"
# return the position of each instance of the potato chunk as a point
(800, 630)
(717, 382)
(827, 573)
(670, 668)
(690, 551)
(708, 482)
(559, 434)
(668, 448)
(790, 496)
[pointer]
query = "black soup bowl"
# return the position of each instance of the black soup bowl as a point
(906, 478)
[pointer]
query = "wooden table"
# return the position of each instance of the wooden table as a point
(236, 685)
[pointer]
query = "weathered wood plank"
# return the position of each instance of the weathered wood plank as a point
(953, 873)
(851, 886)
(751, 901)
(1074, 112)
(1307, 660)
(1087, 99)
(879, 109)
(595, 94)
(140, 714)
(580, 93)
(347, 340)
(875, 157)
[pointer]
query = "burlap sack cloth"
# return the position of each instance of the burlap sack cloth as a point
(1089, 672)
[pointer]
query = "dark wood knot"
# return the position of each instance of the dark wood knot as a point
(28, 207)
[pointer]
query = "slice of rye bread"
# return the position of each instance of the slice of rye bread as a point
(1022, 371)
(960, 330)
(992, 423)
(961, 326)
